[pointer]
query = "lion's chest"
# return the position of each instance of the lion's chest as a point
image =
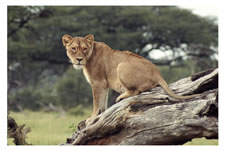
(86, 75)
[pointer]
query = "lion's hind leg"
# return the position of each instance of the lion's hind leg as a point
(125, 95)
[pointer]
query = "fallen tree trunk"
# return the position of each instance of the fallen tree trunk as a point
(154, 118)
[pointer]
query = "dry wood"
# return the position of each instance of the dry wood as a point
(17, 132)
(152, 118)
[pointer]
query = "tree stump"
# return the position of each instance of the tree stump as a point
(18, 133)
(154, 118)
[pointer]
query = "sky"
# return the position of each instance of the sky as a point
(202, 10)
(199, 10)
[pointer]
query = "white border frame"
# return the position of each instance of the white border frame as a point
(3, 64)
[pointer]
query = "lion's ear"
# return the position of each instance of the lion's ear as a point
(66, 39)
(89, 37)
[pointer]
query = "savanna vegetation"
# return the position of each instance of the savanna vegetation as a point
(48, 95)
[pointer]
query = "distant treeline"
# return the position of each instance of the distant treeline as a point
(39, 72)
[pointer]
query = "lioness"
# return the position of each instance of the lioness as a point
(104, 68)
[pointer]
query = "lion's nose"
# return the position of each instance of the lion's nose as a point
(79, 59)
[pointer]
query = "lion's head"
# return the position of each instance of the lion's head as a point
(79, 49)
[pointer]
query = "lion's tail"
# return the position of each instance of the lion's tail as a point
(165, 86)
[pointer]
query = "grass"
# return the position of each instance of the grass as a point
(202, 141)
(50, 128)
(47, 128)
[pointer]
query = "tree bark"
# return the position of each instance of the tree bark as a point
(154, 118)
(18, 133)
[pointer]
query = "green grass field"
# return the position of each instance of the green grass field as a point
(202, 141)
(50, 128)
(47, 128)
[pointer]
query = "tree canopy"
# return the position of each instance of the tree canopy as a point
(38, 68)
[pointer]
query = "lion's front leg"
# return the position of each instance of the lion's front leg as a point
(100, 102)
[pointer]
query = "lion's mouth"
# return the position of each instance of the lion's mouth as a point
(78, 64)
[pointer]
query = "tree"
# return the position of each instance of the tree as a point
(36, 57)
(164, 28)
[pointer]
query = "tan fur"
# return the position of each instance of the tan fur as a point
(123, 71)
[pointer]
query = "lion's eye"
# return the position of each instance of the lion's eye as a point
(73, 49)
(85, 50)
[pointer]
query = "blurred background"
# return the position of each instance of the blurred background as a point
(42, 82)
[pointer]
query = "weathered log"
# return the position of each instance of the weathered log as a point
(154, 118)
(18, 133)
